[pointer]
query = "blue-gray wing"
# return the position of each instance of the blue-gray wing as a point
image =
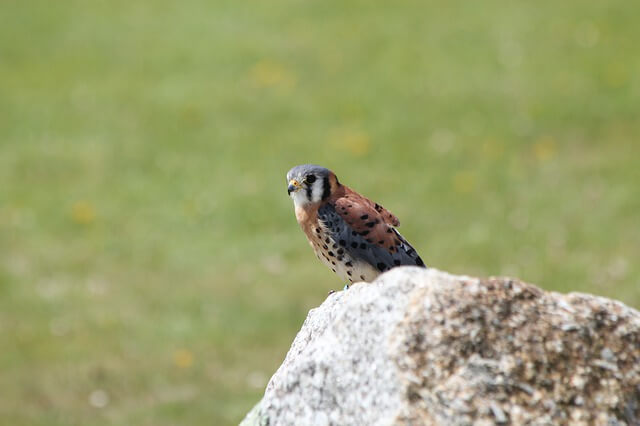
(364, 234)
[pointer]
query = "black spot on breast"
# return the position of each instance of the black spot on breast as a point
(340, 251)
(354, 245)
(334, 246)
(378, 207)
(343, 243)
(340, 258)
(419, 261)
(331, 254)
(333, 269)
(349, 273)
(362, 277)
(326, 240)
(348, 264)
(317, 230)
(324, 246)
(333, 263)
(364, 217)
(371, 224)
(381, 266)
(396, 262)
(363, 246)
(381, 242)
(389, 230)
(363, 233)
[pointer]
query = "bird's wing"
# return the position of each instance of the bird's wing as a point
(357, 205)
(367, 233)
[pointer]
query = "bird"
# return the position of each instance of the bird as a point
(352, 235)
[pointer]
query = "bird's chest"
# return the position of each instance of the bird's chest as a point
(324, 237)
(320, 238)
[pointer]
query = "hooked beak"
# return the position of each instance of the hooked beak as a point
(294, 185)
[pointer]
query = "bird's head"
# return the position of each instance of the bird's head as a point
(309, 183)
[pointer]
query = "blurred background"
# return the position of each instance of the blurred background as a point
(152, 270)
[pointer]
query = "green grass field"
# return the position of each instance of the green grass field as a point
(152, 271)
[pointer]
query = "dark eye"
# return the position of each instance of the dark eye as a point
(310, 179)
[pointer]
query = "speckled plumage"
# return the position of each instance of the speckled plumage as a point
(354, 236)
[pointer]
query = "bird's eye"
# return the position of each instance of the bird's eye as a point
(310, 179)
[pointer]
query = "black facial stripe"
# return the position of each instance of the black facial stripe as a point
(326, 188)
(309, 192)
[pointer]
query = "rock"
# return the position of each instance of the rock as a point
(421, 347)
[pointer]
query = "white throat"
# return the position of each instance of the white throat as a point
(299, 198)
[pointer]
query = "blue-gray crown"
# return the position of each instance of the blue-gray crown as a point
(303, 170)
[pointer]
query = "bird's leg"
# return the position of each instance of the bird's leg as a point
(346, 287)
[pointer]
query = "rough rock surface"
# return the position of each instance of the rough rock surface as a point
(424, 347)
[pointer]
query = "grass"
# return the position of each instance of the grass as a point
(152, 269)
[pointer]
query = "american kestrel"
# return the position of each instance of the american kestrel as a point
(354, 236)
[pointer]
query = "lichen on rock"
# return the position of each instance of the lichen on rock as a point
(424, 347)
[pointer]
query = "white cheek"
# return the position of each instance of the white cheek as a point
(316, 190)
